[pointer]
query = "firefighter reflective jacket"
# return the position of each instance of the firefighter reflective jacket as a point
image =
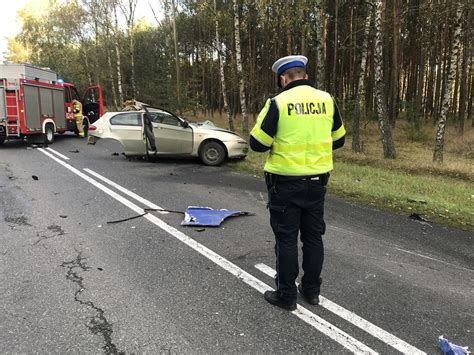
(306, 123)
(77, 109)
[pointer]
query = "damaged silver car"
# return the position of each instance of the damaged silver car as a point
(155, 132)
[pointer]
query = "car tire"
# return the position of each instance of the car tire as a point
(2, 140)
(212, 153)
(49, 134)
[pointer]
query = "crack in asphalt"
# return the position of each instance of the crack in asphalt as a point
(98, 324)
(55, 230)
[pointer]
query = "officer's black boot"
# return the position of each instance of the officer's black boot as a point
(274, 297)
(310, 298)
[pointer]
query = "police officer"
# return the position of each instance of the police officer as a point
(77, 110)
(300, 126)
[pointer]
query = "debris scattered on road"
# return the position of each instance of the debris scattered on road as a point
(115, 153)
(34, 177)
(74, 151)
(100, 269)
(99, 226)
(451, 349)
(127, 219)
(62, 216)
(194, 216)
(417, 217)
(417, 200)
(147, 210)
(206, 216)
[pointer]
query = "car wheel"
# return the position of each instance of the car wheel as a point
(49, 134)
(212, 153)
(2, 140)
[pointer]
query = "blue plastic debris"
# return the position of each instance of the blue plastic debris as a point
(206, 216)
(451, 349)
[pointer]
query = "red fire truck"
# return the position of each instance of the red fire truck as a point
(35, 104)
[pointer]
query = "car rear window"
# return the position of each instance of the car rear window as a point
(126, 119)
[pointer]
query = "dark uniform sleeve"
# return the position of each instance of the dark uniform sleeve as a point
(338, 131)
(262, 135)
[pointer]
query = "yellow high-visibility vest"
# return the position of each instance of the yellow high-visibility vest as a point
(77, 109)
(302, 145)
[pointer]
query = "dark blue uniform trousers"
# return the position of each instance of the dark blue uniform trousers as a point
(297, 206)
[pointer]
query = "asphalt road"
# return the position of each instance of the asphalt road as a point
(71, 282)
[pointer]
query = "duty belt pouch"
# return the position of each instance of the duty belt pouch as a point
(324, 179)
(270, 181)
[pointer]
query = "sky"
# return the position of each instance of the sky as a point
(10, 27)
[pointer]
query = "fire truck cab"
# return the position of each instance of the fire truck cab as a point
(35, 104)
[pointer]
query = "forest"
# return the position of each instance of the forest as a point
(383, 60)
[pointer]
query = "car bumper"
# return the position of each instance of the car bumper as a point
(238, 149)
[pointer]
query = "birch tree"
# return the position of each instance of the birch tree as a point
(319, 42)
(238, 59)
(175, 40)
(221, 73)
(129, 13)
(381, 104)
(117, 53)
(360, 108)
(439, 142)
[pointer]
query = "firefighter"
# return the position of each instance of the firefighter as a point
(300, 126)
(77, 110)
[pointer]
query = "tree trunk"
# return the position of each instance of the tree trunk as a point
(336, 47)
(439, 142)
(112, 80)
(238, 59)
(175, 40)
(384, 124)
(319, 45)
(393, 113)
(221, 73)
(361, 104)
(463, 86)
(117, 53)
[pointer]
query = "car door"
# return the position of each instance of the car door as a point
(93, 103)
(171, 136)
(127, 128)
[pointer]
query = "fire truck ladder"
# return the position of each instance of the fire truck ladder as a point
(12, 120)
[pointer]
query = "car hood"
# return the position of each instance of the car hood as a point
(206, 127)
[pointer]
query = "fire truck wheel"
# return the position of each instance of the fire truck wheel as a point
(49, 134)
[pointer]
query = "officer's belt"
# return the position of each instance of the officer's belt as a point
(283, 178)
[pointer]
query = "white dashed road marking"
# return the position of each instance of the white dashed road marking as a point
(57, 153)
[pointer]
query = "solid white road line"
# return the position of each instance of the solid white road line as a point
(125, 191)
(57, 153)
(363, 324)
(318, 323)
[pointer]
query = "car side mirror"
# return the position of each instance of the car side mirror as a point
(185, 124)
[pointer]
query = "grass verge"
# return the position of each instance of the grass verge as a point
(439, 199)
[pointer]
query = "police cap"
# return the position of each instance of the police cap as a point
(290, 61)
